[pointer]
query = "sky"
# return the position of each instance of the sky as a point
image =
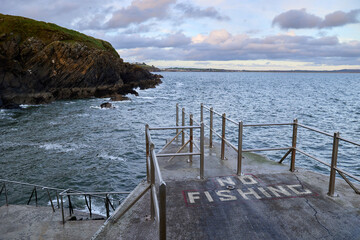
(227, 34)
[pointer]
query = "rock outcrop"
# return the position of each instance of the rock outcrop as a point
(42, 62)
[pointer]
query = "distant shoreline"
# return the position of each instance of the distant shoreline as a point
(271, 71)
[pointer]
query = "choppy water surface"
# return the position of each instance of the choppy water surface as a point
(75, 144)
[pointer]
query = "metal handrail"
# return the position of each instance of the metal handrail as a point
(291, 150)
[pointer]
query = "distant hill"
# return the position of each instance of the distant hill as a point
(147, 67)
(41, 62)
(177, 69)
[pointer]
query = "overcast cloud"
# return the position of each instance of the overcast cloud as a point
(198, 30)
(301, 19)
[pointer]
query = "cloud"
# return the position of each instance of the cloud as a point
(191, 11)
(139, 11)
(175, 40)
(301, 19)
(220, 45)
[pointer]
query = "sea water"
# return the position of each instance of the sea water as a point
(76, 144)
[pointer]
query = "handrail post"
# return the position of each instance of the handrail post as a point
(293, 152)
(147, 153)
(202, 157)
(239, 162)
(152, 177)
(162, 209)
(201, 112)
(333, 164)
(177, 118)
(6, 196)
(211, 127)
(62, 209)
(183, 130)
(191, 138)
(223, 137)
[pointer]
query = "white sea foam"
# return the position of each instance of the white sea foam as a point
(59, 147)
(112, 158)
(28, 106)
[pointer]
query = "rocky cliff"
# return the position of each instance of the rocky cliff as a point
(42, 62)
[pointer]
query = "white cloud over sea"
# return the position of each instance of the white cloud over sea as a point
(297, 34)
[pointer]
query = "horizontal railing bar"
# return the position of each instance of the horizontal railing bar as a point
(208, 108)
(156, 164)
(345, 140)
(166, 145)
(91, 193)
(310, 156)
(267, 124)
(230, 144)
(132, 203)
(177, 154)
(156, 205)
(195, 144)
(177, 127)
(32, 185)
(315, 130)
(265, 149)
(233, 121)
(348, 174)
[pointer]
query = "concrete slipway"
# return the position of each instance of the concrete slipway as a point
(266, 202)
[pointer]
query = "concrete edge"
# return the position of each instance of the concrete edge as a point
(114, 217)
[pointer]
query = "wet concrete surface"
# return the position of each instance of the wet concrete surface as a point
(266, 202)
(31, 222)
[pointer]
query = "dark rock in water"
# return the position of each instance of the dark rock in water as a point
(119, 97)
(106, 105)
(42, 62)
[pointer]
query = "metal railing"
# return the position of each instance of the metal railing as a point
(59, 194)
(293, 149)
(158, 205)
(105, 196)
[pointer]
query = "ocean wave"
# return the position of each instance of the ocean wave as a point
(60, 147)
(106, 156)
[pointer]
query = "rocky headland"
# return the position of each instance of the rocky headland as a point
(42, 62)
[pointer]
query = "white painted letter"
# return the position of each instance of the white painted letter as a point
(264, 192)
(250, 192)
(224, 196)
(292, 188)
(280, 190)
(227, 180)
(192, 196)
(247, 179)
(208, 196)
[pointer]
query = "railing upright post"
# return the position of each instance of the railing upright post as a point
(239, 162)
(152, 177)
(177, 118)
(333, 164)
(183, 130)
(62, 209)
(147, 153)
(201, 112)
(223, 137)
(6, 196)
(211, 127)
(191, 138)
(202, 157)
(162, 209)
(293, 152)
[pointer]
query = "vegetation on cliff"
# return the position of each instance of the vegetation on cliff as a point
(41, 62)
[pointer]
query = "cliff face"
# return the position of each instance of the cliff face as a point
(41, 62)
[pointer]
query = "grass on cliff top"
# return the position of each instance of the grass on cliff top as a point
(48, 32)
